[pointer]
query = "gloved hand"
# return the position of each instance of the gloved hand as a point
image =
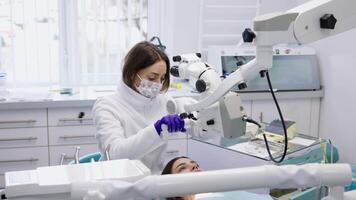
(173, 122)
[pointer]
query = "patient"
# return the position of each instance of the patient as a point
(185, 165)
(181, 165)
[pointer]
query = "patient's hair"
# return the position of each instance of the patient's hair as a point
(168, 168)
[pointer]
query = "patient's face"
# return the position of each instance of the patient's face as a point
(184, 165)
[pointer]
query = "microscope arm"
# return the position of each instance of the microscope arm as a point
(309, 22)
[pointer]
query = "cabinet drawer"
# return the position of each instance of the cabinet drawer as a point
(23, 137)
(175, 148)
(69, 151)
(70, 116)
(16, 159)
(72, 135)
(23, 118)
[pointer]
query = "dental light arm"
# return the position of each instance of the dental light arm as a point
(307, 23)
(269, 176)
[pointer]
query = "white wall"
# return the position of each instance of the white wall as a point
(337, 57)
(181, 24)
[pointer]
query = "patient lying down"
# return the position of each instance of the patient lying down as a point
(181, 165)
(185, 165)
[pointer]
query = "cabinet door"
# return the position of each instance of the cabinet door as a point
(23, 137)
(23, 118)
(16, 159)
(69, 151)
(70, 116)
(71, 135)
(298, 110)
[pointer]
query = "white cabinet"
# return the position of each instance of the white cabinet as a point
(23, 118)
(76, 116)
(23, 137)
(71, 135)
(14, 159)
(69, 128)
(23, 140)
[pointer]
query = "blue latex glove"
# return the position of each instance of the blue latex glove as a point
(173, 122)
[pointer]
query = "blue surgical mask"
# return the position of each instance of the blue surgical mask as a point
(148, 88)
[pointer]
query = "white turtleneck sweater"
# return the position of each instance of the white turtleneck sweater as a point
(124, 122)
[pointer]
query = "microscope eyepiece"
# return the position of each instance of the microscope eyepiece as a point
(177, 58)
(174, 71)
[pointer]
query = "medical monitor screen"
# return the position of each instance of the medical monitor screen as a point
(289, 72)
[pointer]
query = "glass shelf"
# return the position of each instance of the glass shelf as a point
(256, 147)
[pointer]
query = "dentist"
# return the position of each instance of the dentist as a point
(129, 122)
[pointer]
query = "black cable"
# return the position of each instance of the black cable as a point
(283, 124)
(251, 121)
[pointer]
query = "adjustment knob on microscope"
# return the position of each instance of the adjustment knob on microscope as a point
(242, 86)
(174, 71)
(328, 21)
(201, 85)
(248, 35)
(177, 58)
(198, 54)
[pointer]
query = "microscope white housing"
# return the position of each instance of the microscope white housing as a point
(224, 117)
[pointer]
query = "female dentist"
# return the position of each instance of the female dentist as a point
(129, 122)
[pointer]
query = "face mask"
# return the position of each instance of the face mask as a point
(148, 88)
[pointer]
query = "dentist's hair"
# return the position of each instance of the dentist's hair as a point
(141, 56)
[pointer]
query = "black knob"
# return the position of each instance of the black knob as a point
(198, 54)
(242, 86)
(183, 115)
(81, 115)
(200, 85)
(239, 63)
(210, 122)
(174, 71)
(263, 73)
(328, 21)
(177, 58)
(248, 35)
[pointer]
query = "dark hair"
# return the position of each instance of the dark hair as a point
(168, 168)
(141, 56)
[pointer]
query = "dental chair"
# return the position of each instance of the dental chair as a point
(332, 156)
(92, 157)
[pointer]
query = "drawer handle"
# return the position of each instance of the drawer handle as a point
(18, 121)
(64, 137)
(75, 119)
(17, 139)
(20, 160)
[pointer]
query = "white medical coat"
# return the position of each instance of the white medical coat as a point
(124, 122)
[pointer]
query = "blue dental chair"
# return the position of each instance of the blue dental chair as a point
(92, 157)
(332, 156)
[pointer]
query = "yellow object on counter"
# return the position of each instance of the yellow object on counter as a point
(177, 86)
